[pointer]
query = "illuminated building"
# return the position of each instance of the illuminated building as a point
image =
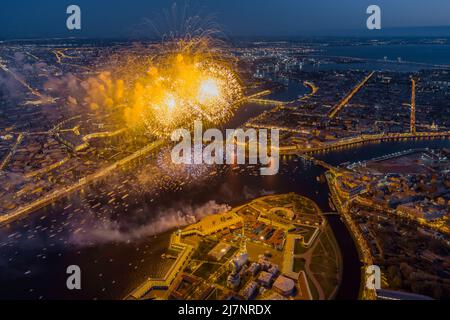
(284, 285)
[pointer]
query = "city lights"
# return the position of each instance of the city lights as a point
(234, 151)
(180, 88)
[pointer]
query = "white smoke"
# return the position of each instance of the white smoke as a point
(9, 86)
(166, 219)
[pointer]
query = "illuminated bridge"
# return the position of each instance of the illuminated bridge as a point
(300, 149)
(413, 107)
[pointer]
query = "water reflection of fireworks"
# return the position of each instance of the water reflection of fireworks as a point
(182, 172)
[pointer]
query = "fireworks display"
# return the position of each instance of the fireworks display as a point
(164, 88)
(181, 87)
(160, 87)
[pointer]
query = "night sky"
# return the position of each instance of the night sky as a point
(119, 19)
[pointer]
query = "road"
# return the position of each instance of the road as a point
(10, 154)
(341, 104)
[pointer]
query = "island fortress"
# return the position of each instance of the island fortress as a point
(264, 249)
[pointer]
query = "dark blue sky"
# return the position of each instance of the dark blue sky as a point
(113, 19)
